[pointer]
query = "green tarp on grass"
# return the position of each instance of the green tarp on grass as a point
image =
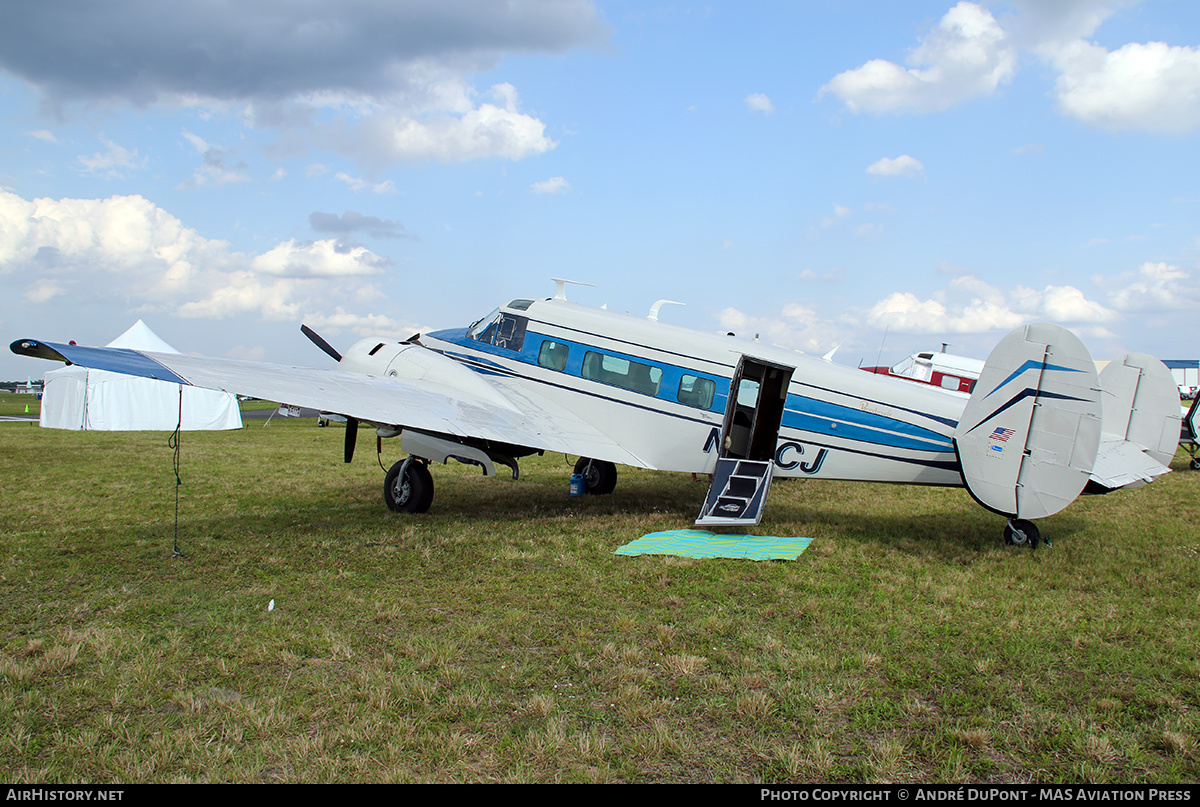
(704, 544)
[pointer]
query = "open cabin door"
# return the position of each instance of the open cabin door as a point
(749, 436)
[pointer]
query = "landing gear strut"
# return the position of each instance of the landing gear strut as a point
(1020, 532)
(408, 486)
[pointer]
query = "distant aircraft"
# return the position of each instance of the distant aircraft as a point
(546, 374)
(945, 370)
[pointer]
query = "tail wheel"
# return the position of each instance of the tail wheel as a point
(1020, 532)
(599, 477)
(408, 487)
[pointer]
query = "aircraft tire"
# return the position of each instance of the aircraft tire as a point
(411, 492)
(1020, 532)
(599, 477)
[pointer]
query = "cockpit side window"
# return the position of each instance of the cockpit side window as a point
(500, 329)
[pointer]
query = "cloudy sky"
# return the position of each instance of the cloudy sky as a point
(884, 176)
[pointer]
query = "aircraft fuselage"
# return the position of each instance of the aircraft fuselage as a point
(661, 391)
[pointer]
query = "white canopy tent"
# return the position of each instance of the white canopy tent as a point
(76, 398)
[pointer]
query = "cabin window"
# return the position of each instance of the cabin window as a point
(697, 392)
(630, 375)
(553, 355)
(499, 329)
(521, 305)
(950, 382)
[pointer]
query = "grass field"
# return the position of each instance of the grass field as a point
(497, 638)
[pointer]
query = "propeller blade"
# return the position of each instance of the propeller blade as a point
(316, 339)
(351, 438)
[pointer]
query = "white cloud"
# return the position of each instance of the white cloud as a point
(363, 325)
(113, 163)
(759, 102)
(44, 135)
(967, 55)
(126, 251)
(796, 327)
(970, 305)
(832, 276)
(123, 236)
(869, 230)
(1151, 87)
(839, 212)
(42, 291)
(902, 166)
(359, 184)
(217, 168)
(246, 293)
(325, 258)
(552, 185)
(1155, 286)
(1061, 304)
(485, 131)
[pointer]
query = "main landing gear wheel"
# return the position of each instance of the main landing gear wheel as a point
(408, 486)
(599, 477)
(1020, 532)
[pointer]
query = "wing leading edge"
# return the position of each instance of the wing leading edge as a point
(414, 403)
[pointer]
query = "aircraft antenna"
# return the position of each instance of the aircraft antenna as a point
(879, 358)
(655, 308)
(560, 287)
(829, 356)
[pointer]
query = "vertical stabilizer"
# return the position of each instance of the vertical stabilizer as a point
(1141, 422)
(1029, 434)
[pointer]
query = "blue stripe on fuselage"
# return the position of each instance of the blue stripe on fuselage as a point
(801, 413)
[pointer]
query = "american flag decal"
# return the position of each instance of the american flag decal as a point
(1002, 435)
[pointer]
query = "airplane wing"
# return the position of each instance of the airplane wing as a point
(483, 411)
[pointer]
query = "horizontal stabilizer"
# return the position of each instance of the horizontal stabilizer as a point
(1121, 464)
(1029, 435)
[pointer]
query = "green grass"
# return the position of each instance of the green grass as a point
(13, 404)
(497, 638)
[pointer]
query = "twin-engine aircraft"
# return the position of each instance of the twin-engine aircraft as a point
(546, 374)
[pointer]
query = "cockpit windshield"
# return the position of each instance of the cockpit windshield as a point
(482, 324)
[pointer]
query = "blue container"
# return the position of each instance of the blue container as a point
(576, 484)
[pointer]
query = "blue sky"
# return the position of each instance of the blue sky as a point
(881, 176)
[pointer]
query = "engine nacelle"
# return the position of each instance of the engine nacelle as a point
(409, 361)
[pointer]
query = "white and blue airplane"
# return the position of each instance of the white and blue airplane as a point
(546, 374)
